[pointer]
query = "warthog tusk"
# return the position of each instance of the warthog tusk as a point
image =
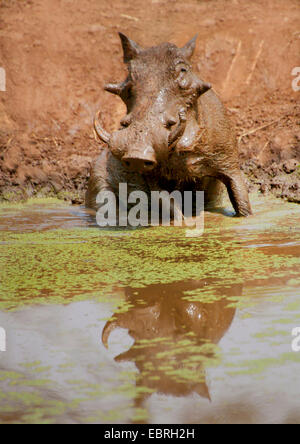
(109, 327)
(100, 131)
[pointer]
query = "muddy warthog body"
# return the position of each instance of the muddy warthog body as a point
(176, 134)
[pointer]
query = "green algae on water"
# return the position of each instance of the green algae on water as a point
(61, 266)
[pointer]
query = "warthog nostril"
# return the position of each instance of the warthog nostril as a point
(138, 165)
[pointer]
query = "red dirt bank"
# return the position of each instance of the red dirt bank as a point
(58, 54)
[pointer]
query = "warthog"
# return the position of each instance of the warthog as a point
(176, 134)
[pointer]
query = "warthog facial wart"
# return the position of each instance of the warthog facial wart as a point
(2, 340)
(2, 80)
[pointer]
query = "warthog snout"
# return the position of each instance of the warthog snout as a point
(140, 161)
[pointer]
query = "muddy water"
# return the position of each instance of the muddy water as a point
(114, 326)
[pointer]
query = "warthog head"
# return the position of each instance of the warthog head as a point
(158, 92)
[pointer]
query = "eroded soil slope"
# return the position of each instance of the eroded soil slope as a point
(58, 54)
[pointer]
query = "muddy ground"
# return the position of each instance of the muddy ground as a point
(58, 54)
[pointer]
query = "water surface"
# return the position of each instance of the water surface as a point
(149, 325)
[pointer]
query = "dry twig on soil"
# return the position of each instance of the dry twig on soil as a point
(254, 130)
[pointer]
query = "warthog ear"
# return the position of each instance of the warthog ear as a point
(189, 48)
(114, 88)
(130, 48)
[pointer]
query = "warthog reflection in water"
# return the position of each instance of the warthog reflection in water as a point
(173, 336)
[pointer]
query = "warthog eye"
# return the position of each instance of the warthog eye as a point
(169, 125)
(125, 122)
(182, 67)
(170, 121)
